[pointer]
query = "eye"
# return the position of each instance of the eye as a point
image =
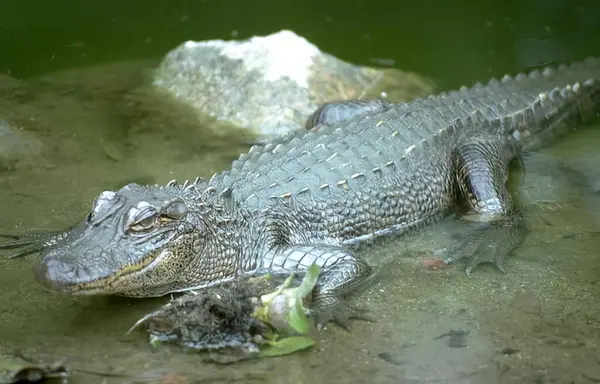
(147, 220)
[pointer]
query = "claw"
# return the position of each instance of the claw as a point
(339, 312)
(16, 243)
(7, 236)
(23, 252)
(490, 244)
(497, 262)
(28, 243)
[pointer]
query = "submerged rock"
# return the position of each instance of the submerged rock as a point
(17, 147)
(271, 84)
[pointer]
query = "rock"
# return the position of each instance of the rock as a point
(271, 84)
(17, 147)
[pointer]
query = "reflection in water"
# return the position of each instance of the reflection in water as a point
(554, 31)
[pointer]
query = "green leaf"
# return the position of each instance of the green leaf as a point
(297, 318)
(291, 299)
(286, 346)
(309, 281)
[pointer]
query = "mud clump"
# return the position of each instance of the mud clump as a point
(216, 319)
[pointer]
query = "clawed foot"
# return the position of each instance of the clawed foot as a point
(330, 308)
(28, 243)
(489, 243)
(476, 254)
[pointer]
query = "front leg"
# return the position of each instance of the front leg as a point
(342, 273)
(482, 169)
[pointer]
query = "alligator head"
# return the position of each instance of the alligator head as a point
(142, 241)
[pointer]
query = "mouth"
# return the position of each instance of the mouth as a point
(53, 276)
(57, 276)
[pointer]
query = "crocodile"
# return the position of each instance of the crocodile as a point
(364, 172)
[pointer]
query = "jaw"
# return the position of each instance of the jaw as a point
(129, 281)
(117, 288)
(84, 267)
(194, 287)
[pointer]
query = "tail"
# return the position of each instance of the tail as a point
(568, 97)
(535, 108)
(578, 83)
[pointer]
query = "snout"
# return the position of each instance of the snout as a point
(58, 276)
(53, 275)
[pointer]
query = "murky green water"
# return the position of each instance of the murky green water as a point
(536, 324)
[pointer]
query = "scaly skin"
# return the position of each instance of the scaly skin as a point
(373, 171)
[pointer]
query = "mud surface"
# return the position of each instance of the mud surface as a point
(539, 323)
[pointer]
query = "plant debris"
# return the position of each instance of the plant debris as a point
(248, 318)
(16, 369)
